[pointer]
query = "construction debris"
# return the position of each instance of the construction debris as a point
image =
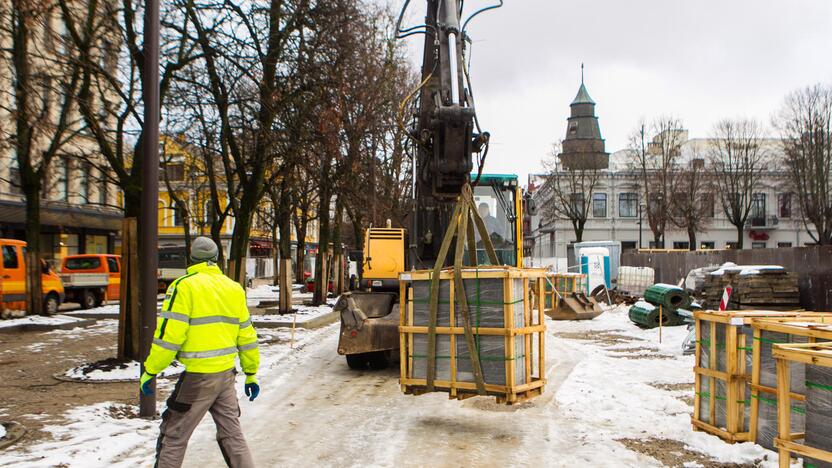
(754, 287)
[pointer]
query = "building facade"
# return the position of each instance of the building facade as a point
(80, 210)
(617, 212)
(183, 176)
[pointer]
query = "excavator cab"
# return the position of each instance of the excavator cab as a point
(499, 204)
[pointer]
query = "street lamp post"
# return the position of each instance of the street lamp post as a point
(149, 235)
(640, 210)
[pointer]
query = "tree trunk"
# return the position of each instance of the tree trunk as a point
(321, 281)
(337, 249)
(216, 236)
(34, 289)
(284, 223)
(301, 224)
(240, 236)
(275, 257)
(740, 237)
(691, 238)
(130, 317)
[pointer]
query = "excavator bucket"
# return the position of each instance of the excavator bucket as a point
(574, 306)
(369, 322)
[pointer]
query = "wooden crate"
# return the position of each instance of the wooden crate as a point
(808, 327)
(509, 333)
(721, 371)
(814, 354)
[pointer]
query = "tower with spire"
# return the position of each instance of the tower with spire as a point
(583, 147)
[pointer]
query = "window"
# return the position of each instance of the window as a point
(83, 263)
(679, 205)
(175, 171)
(758, 245)
(628, 205)
(10, 257)
(655, 202)
(14, 180)
(177, 214)
(758, 209)
(112, 264)
(599, 205)
(573, 127)
(683, 245)
(62, 181)
(708, 205)
(731, 245)
(102, 192)
(628, 245)
(782, 245)
(577, 201)
(784, 205)
(84, 189)
(706, 245)
(210, 214)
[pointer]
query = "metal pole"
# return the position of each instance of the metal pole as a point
(149, 235)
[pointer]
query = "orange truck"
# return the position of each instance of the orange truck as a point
(91, 279)
(13, 279)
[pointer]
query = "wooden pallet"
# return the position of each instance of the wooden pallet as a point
(814, 326)
(734, 375)
(819, 354)
(532, 331)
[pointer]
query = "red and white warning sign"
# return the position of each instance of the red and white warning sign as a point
(726, 295)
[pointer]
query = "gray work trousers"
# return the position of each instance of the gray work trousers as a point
(194, 395)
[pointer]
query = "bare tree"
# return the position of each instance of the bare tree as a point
(655, 152)
(805, 123)
(39, 114)
(738, 159)
(110, 97)
(572, 189)
(692, 201)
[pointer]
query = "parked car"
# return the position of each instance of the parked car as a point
(91, 279)
(173, 263)
(13, 279)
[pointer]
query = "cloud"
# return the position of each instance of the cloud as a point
(700, 61)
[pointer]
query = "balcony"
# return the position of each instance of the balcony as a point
(762, 222)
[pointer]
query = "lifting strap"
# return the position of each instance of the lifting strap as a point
(460, 225)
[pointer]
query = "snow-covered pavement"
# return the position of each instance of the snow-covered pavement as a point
(609, 384)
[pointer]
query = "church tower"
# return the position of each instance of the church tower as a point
(583, 147)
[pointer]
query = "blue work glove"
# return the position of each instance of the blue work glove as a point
(252, 387)
(144, 383)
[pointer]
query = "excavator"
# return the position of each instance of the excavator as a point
(447, 139)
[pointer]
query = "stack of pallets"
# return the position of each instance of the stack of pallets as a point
(752, 289)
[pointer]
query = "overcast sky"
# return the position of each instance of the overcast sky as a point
(699, 60)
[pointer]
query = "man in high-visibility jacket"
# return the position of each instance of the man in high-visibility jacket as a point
(205, 324)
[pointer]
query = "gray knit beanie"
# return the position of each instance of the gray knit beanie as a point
(204, 249)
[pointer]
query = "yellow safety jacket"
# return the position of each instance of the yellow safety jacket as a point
(205, 324)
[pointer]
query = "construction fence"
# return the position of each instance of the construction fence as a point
(813, 265)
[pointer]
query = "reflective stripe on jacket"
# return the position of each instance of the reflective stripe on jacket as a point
(205, 324)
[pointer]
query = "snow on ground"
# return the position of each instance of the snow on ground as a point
(607, 380)
(109, 309)
(303, 313)
(117, 372)
(615, 396)
(39, 320)
(2, 431)
(109, 434)
(267, 292)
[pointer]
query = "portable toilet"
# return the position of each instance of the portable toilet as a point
(614, 248)
(595, 264)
